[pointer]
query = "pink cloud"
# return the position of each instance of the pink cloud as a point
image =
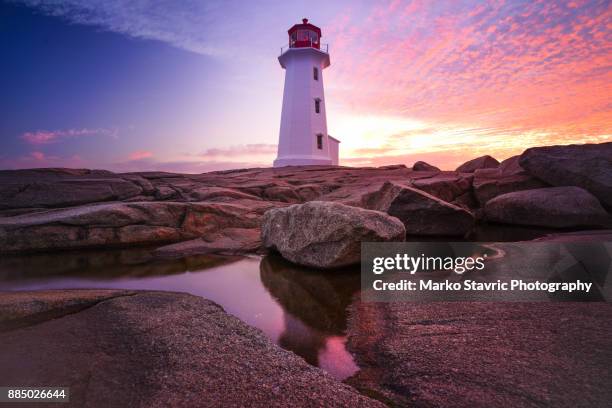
(42, 137)
(37, 159)
(140, 154)
(38, 155)
(258, 149)
(542, 67)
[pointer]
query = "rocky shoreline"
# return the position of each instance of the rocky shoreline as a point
(223, 212)
(170, 349)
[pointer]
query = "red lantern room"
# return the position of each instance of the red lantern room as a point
(305, 35)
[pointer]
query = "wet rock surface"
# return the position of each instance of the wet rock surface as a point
(326, 235)
(483, 354)
(153, 349)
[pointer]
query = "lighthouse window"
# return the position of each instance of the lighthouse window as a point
(320, 141)
(315, 73)
(317, 105)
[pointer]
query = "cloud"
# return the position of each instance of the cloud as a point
(258, 149)
(539, 67)
(210, 27)
(42, 137)
(140, 154)
(213, 159)
(38, 159)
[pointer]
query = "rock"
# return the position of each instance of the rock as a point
(125, 224)
(146, 185)
(31, 188)
(447, 187)
(165, 193)
(483, 354)
(284, 194)
(490, 183)
(230, 241)
(555, 207)
(393, 167)
(424, 166)
(588, 166)
(219, 194)
(324, 234)
(507, 178)
(579, 236)
(421, 213)
(482, 162)
(154, 349)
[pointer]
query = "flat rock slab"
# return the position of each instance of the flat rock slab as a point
(482, 354)
(153, 349)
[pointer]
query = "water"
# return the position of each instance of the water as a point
(301, 310)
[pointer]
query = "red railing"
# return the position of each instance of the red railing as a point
(305, 44)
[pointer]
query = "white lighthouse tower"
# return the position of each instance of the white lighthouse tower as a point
(303, 138)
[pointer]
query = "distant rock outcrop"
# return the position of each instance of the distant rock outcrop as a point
(555, 207)
(325, 234)
(48, 209)
(588, 166)
(424, 166)
(482, 162)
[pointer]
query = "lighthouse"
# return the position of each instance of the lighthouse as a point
(303, 138)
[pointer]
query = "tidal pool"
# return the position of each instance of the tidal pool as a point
(299, 309)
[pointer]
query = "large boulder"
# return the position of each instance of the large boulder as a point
(508, 177)
(424, 166)
(482, 162)
(326, 234)
(588, 166)
(153, 349)
(555, 207)
(421, 213)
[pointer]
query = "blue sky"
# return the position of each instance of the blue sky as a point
(195, 85)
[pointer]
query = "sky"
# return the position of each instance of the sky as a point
(194, 86)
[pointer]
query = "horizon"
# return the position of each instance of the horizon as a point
(196, 87)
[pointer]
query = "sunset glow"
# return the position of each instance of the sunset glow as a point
(409, 80)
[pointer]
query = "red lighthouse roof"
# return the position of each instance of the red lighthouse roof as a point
(305, 26)
(304, 35)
